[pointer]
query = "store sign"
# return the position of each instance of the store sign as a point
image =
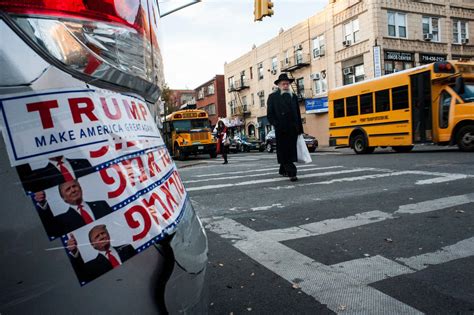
(377, 62)
(398, 56)
(316, 105)
(426, 58)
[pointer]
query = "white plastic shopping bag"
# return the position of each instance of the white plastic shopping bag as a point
(302, 151)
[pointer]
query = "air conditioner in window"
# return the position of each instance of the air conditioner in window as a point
(273, 71)
(464, 41)
(347, 71)
(314, 76)
(322, 52)
(346, 43)
(316, 52)
(428, 37)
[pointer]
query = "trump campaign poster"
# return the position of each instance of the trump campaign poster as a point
(97, 171)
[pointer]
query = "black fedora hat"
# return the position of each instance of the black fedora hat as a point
(283, 77)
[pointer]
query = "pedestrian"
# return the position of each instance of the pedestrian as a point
(223, 141)
(283, 112)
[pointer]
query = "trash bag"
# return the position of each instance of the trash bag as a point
(302, 151)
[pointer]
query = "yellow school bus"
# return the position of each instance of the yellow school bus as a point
(431, 103)
(188, 132)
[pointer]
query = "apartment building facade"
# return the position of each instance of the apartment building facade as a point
(210, 96)
(347, 42)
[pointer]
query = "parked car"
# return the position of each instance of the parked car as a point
(270, 142)
(245, 144)
(77, 76)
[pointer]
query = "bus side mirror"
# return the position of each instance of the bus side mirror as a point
(459, 86)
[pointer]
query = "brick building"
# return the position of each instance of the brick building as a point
(210, 96)
(349, 41)
(181, 97)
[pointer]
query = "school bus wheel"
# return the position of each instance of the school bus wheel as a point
(465, 138)
(359, 144)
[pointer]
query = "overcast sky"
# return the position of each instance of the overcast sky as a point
(198, 40)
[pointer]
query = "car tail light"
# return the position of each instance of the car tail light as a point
(102, 39)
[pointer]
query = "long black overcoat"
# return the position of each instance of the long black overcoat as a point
(283, 112)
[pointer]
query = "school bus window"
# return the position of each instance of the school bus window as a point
(339, 108)
(382, 101)
(366, 103)
(352, 107)
(400, 97)
(445, 104)
(468, 95)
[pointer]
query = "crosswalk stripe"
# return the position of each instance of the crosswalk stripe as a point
(333, 225)
(277, 179)
(216, 178)
(315, 279)
(250, 171)
(326, 226)
(462, 249)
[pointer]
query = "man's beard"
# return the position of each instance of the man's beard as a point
(286, 91)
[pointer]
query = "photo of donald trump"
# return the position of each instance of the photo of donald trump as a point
(108, 256)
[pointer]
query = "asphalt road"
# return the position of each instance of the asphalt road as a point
(385, 233)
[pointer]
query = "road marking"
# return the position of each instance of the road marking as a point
(326, 284)
(462, 249)
(333, 225)
(377, 268)
(436, 204)
(252, 171)
(326, 226)
(372, 269)
(275, 205)
(277, 179)
(216, 178)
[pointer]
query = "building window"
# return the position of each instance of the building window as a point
(397, 24)
(201, 93)
(287, 57)
(431, 28)
(319, 46)
(251, 73)
(300, 88)
(260, 71)
(211, 109)
(397, 61)
(244, 103)
(231, 83)
(242, 78)
(351, 32)
(232, 107)
(353, 74)
(460, 32)
(274, 64)
(210, 89)
(299, 56)
(320, 86)
(261, 96)
(252, 99)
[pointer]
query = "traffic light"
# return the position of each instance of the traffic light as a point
(267, 6)
(262, 8)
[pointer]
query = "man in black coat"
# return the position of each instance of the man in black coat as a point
(58, 170)
(79, 213)
(283, 112)
(108, 257)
